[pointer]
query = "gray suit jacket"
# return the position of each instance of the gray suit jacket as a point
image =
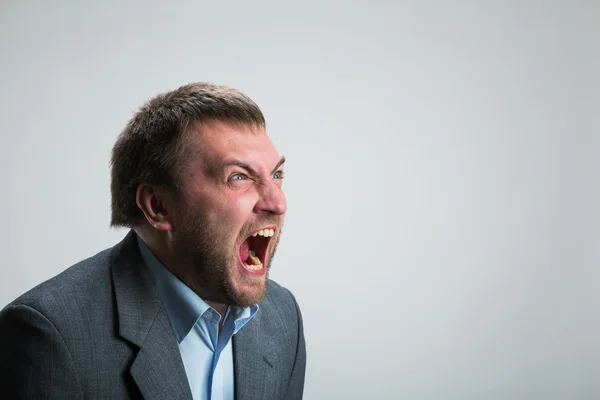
(99, 330)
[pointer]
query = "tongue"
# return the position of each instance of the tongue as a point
(244, 250)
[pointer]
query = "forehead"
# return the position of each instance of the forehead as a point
(217, 142)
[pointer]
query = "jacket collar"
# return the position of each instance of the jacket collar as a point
(157, 369)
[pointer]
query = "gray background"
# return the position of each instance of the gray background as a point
(443, 178)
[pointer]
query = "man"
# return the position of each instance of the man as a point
(182, 308)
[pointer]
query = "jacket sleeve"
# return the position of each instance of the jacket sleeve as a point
(34, 360)
(296, 385)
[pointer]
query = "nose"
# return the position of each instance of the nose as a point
(271, 200)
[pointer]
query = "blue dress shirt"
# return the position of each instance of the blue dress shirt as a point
(206, 353)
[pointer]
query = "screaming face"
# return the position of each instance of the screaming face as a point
(228, 219)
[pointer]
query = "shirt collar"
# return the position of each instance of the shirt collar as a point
(183, 305)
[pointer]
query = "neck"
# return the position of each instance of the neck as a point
(164, 254)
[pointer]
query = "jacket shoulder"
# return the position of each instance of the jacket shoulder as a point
(279, 293)
(281, 299)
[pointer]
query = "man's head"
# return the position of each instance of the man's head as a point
(195, 174)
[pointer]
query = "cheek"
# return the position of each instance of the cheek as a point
(200, 209)
(225, 211)
(230, 211)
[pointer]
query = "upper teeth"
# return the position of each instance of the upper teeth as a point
(264, 232)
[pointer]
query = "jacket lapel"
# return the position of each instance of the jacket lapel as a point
(157, 369)
(255, 362)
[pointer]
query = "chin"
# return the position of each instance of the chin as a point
(245, 292)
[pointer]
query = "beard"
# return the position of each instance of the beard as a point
(209, 256)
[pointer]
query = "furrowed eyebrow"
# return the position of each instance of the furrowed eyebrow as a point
(279, 164)
(247, 167)
(238, 163)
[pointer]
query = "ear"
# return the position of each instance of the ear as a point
(155, 203)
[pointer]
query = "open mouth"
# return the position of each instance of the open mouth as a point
(253, 251)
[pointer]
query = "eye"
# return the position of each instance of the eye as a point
(278, 175)
(238, 177)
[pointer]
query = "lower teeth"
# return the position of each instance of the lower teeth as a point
(255, 265)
